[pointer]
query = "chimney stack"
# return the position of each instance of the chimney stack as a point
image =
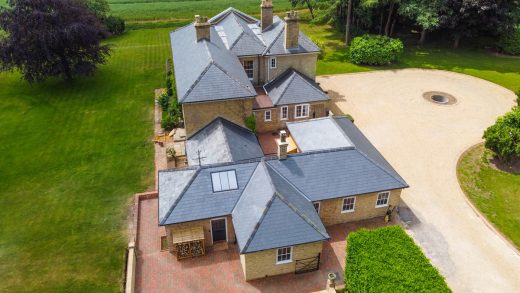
(202, 28)
(282, 145)
(292, 30)
(267, 13)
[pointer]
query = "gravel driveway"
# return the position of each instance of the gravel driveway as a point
(423, 141)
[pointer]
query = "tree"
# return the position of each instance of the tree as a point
(304, 2)
(47, 38)
(349, 23)
(425, 13)
(503, 138)
(99, 7)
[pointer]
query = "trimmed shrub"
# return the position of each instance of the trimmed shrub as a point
(387, 260)
(509, 43)
(115, 25)
(375, 50)
(503, 137)
(250, 122)
(518, 98)
(163, 101)
(169, 122)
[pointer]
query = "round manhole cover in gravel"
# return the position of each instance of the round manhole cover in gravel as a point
(440, 98)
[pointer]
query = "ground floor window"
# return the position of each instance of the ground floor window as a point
(301, 111)
(284, 113)
(382, 199)
(284, 255)
(267, 115)
(349, 203)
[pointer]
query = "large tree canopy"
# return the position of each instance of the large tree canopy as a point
(45, 38)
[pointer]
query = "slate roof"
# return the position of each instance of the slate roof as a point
(222, 141)
(293, 87)
(206, 70)
(197, 200)
(272, 213)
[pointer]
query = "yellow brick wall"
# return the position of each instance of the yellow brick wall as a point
(263, 263)
(365, 208)
(304, 63)
(206, 226)
(198, 115)
(319, 109)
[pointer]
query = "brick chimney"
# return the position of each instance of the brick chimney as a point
(267, 13)
(282, 145)
(202, 27)
(291, 30)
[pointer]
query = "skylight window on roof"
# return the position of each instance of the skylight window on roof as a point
(222, 181)
(222, 34)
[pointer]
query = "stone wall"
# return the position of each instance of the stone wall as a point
(198, 115)
(365, 208)
(206, 224)
(263, 263)
(318, 109)
(304, 63)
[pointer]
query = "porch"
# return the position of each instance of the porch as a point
(160, 271)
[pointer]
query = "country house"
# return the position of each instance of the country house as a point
(273, 206)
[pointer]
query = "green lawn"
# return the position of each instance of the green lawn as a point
(388, 260)
(72, 156)
(494, 192)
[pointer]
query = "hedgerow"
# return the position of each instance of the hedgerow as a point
(387, 260)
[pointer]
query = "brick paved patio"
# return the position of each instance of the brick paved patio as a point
(159, 271)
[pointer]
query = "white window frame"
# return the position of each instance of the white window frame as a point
(287, 113)
(211, 228)
(287, 260)
(271, 60)
(387, 199)
(307, 106)
(343, 211)
(220, 181)
(270, 115)
(319, 206)
(252, 68)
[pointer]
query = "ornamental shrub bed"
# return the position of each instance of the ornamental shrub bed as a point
(387, 260)
(375, 50)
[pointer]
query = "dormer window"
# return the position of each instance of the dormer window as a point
(225, 180)
(272, 63)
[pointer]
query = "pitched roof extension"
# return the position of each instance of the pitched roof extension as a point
(272, 213)
(222, 141)
(293, 87)
(206, 70)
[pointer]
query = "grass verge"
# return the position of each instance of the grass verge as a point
(493, 192)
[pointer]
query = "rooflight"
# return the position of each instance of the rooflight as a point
(222, 181)
(222, 35)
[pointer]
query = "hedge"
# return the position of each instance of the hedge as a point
(375, 50)
(509, 43)
(387, 260)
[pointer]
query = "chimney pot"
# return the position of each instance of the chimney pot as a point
(292, 30)
(266, 13)
(202, 28)
(282, 145)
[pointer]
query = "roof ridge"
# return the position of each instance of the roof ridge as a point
(172, 207)
(291, 205)
(275, 39)
(221, 126)
(267, 206)
(289, 82)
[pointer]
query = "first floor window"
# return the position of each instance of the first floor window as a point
(284, 113)
(284, 255)
(316, 206)
(349, 203)
(382, 199)
(301, 111)
(272, 63)
(249, 68)
(267, 115)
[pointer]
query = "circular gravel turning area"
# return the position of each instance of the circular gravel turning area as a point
(423, 141)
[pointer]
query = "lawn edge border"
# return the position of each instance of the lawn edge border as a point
(475, 209)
